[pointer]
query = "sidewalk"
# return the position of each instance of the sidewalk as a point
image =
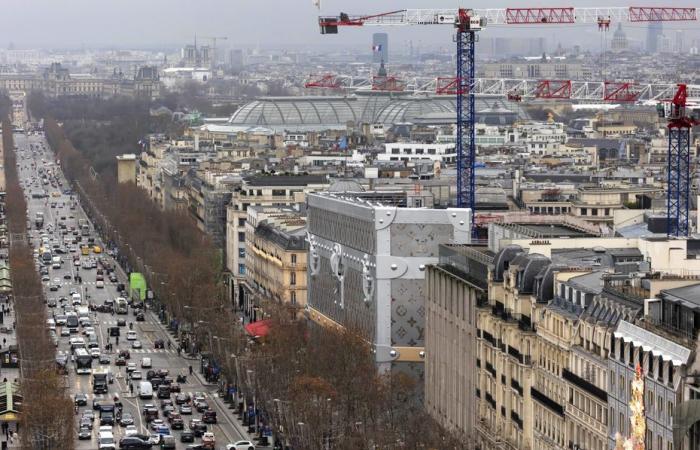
(224, 407)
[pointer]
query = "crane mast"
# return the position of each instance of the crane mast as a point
(468, 22)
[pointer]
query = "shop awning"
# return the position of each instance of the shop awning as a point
(258, 329)
(10, 401)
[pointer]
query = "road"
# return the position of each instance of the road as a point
(61, 209)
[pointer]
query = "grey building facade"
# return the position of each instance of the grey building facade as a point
(368, 253)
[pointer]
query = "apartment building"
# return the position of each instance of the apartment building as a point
(454, 287)
(276, 256)
(259, 190)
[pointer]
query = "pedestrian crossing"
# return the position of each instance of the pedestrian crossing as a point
(150, 350)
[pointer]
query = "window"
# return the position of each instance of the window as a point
(241, 253)
(293, 278)
(584, 211)
(294, 258)
(431, 151)
(279, 192)
(395, 151)
(419, 151)
(594, 212)
(241, 236)
(293, 297)
(241, 269)
(241, 221)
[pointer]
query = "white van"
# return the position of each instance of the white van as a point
(106, 441)
(76, 299)
(146, 363)
(145, 390)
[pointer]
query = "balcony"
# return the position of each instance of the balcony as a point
(491, 401)
(491, 369)
(516, 418)
(585, 385)
(516, 385)
(546, 401)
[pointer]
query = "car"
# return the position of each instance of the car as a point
(201, 406)
(174, 387)
(125, 354)
(67, 276)
(158, 343)
(45, 277)
(80, 399)
(182, 398)
(130, 367)
(88, 414)
(162, 430)
(127, 419)
(84, 433)
(155, 423)
(146, 363)
(168, 442)
(209, 416)
(241, 445)
(136, 375)
(54, 287)
(121, 361)
(56, 280)
(131, 335)
(51, 303)
(185, 409)
(198, 427)
(140, 317)
(96, 404)
(121, 322)
(112, 278)
(104, 359)
(136, 344)
(85, 422)
(131, 430)
(88, 330)
(208, 439)
(65, 332)
(170, 409)
(186, 436)
(176, 421)
(95, 352)
(133, 442)
(99, 284)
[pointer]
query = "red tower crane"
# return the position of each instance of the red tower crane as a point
(467, 22)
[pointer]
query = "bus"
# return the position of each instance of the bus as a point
(84, 227)
(121, 306)
(83, 361)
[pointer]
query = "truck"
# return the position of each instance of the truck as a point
(39, 220)
(121, 306)
(100, 381)
(84, 227)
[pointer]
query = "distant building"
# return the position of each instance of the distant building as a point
(56, 81)
(410, 152)
(126, 168)
(654, 31)
(236, 59)
(380, 48)
(619, 42)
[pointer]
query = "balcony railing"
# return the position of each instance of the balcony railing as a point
(516, 385)
(546, 401)
(491, 369)
(585, 385)
(516, 418)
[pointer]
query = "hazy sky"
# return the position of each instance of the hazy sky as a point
(131, 23)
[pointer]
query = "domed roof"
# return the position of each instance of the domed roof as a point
(408, 108)
(297, 111)
(503, 259)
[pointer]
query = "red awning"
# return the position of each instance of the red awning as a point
(258, 329)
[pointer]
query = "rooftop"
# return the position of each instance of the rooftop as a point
(285, 180)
